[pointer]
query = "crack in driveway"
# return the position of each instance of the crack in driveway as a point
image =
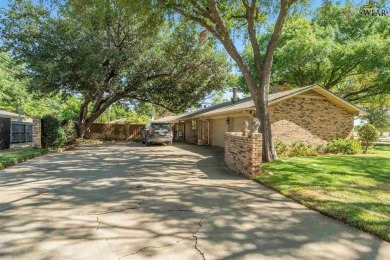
(196, 237)
(147, 247)
(178, 209)
(116, 211)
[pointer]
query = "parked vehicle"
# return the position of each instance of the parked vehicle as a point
(157, 133)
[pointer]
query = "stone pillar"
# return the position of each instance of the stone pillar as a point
(243, 153)
(37, 132)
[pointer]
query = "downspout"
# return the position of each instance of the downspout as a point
(202, 130)
(208, 134)
(19, 114)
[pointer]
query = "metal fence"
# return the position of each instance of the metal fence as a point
(21, 132)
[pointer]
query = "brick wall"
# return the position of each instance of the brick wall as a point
(243, 154)
(312, 120)
(37, 132)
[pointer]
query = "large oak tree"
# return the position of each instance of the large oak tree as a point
(223, 19)
(107, 51)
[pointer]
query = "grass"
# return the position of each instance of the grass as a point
(352, 189)
(8, 158)
(382, 148)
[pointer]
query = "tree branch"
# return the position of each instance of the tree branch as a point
(284, 7)
(250, 16)
(230, 47)
(342, 74)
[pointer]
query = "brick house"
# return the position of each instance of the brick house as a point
(310, 114)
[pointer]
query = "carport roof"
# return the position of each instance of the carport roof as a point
(6, 114)
(247, 103)
(168, 119)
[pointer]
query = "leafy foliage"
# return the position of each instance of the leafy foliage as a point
(302, 149)
(378, 109)
(106, 52)
(12, 91)
(52, 133)
(13, 157)
(225, 20)
(342, 146)
(281, 148)
(368, 134)
(338, 48)
(69, 128)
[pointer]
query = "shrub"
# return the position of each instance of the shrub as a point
(343, 146)
(301, 149)
(368, 134)
(281, 148)
(69, 128)
(321, 149)
(52, 133)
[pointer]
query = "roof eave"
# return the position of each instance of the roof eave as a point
(340, 101)
(350, 107)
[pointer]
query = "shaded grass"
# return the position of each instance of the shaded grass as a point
(8, 158)
(382, 148)
(352, 189)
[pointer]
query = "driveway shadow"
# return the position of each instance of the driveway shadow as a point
(130, 201)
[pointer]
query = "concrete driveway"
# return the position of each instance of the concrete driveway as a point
(128, 201)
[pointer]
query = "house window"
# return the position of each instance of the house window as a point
(21, 132)
(193, 125)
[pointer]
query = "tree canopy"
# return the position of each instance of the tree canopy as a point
(105, 52)
(225, 20)
(338, 49)
(12, 91)
(378, 109)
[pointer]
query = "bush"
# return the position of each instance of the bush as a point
(343, 146)
(368, 134)
(52, 133)
(301, 149)
(281, 148)
(69, 128)
(321, 149)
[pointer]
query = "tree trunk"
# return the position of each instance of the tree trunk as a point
(260, 99)
(80, 129)
(269, 152)
(85, 121)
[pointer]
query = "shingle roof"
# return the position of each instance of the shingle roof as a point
(246, 103)
(242, 104)
(167, 119)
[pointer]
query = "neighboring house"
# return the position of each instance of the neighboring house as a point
(13, 116)
(385, 134)
(310, 114)
(15, 129)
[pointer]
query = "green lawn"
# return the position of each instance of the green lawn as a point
(353, 189)
(8, 158)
